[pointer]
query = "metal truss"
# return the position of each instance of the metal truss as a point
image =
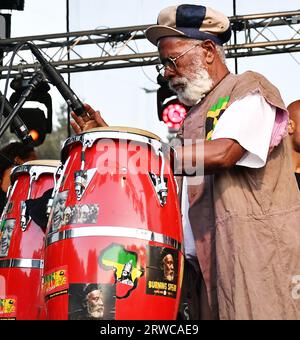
(100, 49)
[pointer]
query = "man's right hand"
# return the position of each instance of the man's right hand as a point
(91, 120)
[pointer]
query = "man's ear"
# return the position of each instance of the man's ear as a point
(291, 126)
(209, 50)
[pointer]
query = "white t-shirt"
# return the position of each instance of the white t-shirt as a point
(250, 122)
(188, 237)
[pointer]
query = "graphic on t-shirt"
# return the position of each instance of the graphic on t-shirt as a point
(214, 114)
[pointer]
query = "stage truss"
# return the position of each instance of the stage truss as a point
(112, 48)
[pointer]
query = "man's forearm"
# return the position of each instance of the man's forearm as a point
(208, 157)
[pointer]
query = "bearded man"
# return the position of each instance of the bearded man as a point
(245, 217)
(294, 132)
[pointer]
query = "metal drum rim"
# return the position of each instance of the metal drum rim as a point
(110, 134)
(112, 231)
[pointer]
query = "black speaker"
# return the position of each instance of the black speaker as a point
(12, 4)
(5, 20)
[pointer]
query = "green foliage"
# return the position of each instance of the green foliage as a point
(7, 138)
(51, 147)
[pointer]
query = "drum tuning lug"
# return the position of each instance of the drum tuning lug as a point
(49, 206)
(82, 181)
(163, 194)
(25, 219)
(160, 187)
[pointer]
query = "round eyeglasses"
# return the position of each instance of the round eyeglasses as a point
(170, 63)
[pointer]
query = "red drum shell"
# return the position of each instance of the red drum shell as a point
(129, 228)
(21, 268)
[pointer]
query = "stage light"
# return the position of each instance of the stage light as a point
(169, 108)
(174, 114)
(34, 135)
(37, 121)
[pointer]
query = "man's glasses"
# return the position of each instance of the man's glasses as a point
(170, 63)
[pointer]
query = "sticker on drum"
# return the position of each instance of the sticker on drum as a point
(55, 283)
(125, 266)
(162, 271)
(6, 229)
(81, 214)
(92, 301)
(8, 308)
(56, 217)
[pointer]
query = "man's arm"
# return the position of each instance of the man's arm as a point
(219, 155)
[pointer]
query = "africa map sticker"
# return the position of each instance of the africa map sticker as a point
(8, 308)
(92, 301)
(125, 266)
(55, 283)
(162, 271)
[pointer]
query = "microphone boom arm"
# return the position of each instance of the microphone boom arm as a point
(33, 84)
(57, 80)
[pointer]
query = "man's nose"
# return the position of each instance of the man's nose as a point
(169, 73)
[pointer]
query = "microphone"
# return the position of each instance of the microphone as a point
(57, 80)
(17, 124)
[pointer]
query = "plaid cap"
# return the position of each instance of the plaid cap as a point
(190, 21)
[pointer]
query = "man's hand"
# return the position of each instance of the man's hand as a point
(91, 120)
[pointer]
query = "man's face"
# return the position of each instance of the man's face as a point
(6, 237)
(95, 304)
(294, 127)
(191, 80)
(168, 264)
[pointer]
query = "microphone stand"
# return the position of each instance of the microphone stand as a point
(33, 84)
(17, 124)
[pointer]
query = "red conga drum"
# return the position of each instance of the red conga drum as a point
(21, 243)
(113, 246)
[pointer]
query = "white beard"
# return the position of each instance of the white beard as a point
(95, 312)
(193, 89)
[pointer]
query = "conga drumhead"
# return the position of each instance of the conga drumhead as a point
(39, 165)
(44, 162)
(124, 129)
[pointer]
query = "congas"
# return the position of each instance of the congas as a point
(21, 243)
(113, 246)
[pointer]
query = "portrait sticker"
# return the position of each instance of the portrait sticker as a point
(6, 230)
(8, 308)
(124, 266)
(162, 271)
(55, 283)
(92, 301)
(81, 214)
(57, 212)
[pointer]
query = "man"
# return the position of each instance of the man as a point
(94, 302)
(294, 132)
(91, 306)
(126, 275)
(12, 154)
(245, 217)
(168, 267)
